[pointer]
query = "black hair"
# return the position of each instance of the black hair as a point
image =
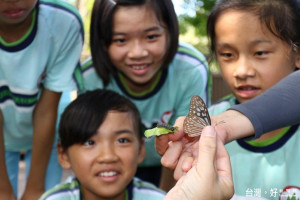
(281, 17)
(87, 112)
(102, 25)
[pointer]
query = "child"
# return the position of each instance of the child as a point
(135, 52)
(101, 140)
(40, 45)
(256, 43)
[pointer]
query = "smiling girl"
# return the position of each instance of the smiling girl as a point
(135, 52)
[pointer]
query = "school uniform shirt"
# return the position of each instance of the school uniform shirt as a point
(136, 190)
(267, 168)
(45, 57)
(169, 98)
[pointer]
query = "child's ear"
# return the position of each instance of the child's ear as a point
(62, 156)
(142, 151)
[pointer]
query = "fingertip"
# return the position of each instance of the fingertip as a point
(187, 164)
(161, 144)
(209, 131)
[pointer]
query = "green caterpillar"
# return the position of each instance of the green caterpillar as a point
(160, 129)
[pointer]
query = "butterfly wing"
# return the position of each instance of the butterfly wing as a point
(198, 108)
(197, 117)
(193, 125)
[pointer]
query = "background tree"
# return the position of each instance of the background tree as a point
(192, 22)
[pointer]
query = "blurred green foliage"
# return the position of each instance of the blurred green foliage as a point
(193, 22)
(196, 15)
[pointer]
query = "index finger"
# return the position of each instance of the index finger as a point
(161, 142)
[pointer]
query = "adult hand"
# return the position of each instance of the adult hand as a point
(210, 177)
(179, 151)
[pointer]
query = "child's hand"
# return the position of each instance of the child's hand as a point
(175, 147)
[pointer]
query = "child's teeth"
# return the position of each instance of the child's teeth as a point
(106, 174)
(138, 67)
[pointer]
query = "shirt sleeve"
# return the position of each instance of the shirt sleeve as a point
(65, 56)
(276, 108)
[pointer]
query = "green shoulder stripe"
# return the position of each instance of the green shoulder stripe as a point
(87, 64)
(63, 4)
(193, 53)
(72, 185)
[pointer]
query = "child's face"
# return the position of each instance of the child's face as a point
(15, 11)
(251, 58)
(138, 45)
(107, 162)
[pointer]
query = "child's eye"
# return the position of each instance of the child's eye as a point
(89, 143)
(261, 53)
(152, 37)
(119, 40)
(226, 55)
(123, 140)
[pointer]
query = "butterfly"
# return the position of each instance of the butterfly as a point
(197, 117)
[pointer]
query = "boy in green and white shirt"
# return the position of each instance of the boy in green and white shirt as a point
(102, 142)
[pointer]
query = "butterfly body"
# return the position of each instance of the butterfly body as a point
(197, 117)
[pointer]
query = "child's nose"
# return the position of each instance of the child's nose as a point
(107, 154)
(243, 69)
(137, 50)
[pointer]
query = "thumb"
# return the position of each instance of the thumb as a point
(207, 149)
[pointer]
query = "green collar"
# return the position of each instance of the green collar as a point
(269, 141)
(140, 94)
(24, 36)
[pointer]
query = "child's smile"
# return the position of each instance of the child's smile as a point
(139, 69)
(108, 175)
(138, 45)
(106, 162)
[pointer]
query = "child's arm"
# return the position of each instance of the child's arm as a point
(44, 119)
(280, 104)
(6, 191)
